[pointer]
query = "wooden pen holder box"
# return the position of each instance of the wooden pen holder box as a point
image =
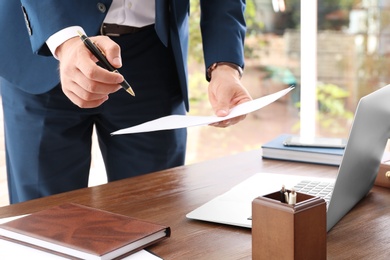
(283, 231)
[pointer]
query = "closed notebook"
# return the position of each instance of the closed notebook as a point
(275, 149)
(83, 232)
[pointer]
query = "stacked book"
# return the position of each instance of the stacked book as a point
(277, 149)
(79, 232)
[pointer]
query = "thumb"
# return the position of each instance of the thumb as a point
(222, 107)
(116, 61)
(111, 50)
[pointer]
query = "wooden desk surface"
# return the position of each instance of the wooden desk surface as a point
(167, 196)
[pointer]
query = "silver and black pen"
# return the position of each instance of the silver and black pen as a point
(99, 54)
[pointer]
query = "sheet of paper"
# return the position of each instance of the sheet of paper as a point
(10, 250)
(183, 121)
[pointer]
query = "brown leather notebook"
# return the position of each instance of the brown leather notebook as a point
(82, 232)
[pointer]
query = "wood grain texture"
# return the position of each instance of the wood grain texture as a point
(165, 197)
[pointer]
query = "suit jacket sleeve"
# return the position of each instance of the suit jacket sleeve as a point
(223, 31)
(46, 17)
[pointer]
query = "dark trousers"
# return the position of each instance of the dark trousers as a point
(48, 138)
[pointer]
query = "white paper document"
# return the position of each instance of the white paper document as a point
(183, 121)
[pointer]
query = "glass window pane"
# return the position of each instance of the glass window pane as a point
(353, 51)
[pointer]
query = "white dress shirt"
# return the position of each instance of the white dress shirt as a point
(137, 13)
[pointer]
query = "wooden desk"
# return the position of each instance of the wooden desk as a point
(167, 196)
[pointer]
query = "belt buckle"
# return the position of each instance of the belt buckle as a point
(102, 32)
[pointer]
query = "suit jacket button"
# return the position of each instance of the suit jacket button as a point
(102, 8)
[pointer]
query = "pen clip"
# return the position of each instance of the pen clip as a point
(94, 43)
(98, 47)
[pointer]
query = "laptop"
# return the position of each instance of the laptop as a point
(356, 176)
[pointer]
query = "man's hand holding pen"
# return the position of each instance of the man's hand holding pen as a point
(88, 85)
(84, 82)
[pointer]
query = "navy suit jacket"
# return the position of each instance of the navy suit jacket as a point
(27, 63)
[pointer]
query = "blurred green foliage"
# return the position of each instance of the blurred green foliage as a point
(332, 112)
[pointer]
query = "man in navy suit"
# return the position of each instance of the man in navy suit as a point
(53, 92)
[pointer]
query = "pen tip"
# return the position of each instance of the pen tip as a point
(130, 91)
(80, 33)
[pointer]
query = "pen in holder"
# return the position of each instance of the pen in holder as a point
(284, 231)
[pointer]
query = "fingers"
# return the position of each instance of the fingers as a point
(229, 122)
(84, 102)
(93, 78)
(84, 82)
(226, 92)
(110, 50)
(86, 93)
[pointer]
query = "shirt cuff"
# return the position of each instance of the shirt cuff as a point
(62, 36)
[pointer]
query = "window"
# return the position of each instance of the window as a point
(344, 56)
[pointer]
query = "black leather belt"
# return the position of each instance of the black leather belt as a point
(118, 30)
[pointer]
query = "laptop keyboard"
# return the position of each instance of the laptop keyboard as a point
(316, 188)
